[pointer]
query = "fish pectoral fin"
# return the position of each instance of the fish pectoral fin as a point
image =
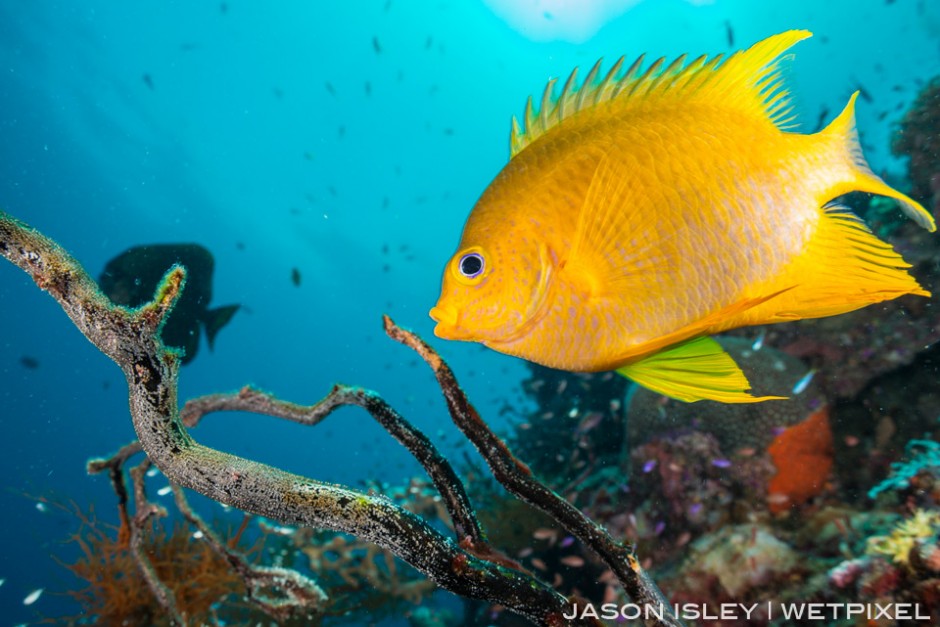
(615, 247)
(217, 318)
(695, 370)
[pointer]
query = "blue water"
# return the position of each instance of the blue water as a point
(131, 123)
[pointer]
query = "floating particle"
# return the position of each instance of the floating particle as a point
(153, 472)
(759, 342)
(33, 596)
(721, 463)
(566, 542)
(575, 561)
(539, 564)
(648, 466)
(42, 507)
(197, 535)
(164, 490)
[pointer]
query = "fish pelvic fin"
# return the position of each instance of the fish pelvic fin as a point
(696, 370)
(217, 318)
(748, 82)
(842, 136)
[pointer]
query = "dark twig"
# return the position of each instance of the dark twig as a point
(517, 478)
(144, 511)
(299, 597)
(130, 338)
(436, 465)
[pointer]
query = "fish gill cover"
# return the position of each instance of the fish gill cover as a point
(344, 144)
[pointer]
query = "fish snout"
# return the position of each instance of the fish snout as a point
(446, 318)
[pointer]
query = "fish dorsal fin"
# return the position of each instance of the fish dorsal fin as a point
(749, 81)
(696, 370)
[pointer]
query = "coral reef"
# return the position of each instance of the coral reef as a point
(919, 139)
(116, 593)
(924, 457)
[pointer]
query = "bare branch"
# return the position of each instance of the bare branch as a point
(129, 338)
(517, 478)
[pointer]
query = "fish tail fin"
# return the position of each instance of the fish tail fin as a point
(696, 370)
(843, 136)
(216, 319)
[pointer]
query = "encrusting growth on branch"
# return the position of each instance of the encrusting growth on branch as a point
(466, 565)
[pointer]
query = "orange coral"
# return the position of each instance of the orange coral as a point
(117, 594)
(803, 457)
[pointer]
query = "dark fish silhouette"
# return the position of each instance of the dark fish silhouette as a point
(131, 278)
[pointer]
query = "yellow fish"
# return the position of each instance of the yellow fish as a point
(644, 211)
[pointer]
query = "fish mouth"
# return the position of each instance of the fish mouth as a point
(446, 318)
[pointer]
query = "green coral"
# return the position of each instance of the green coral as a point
(898, 545)
(923, 454)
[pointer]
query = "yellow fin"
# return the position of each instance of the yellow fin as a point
(695, 370)
(613, 249)
(845, 267)
(842, 134)
(747, 82)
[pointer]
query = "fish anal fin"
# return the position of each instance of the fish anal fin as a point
(695, 370)
(217, 318)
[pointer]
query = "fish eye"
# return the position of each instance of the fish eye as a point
(471, 265)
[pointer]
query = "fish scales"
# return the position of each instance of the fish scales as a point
(639, 215)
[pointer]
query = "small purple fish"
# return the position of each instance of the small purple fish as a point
(694, 509)
(566, 542)
(648, 466)
(660, 527)
(721, 463)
